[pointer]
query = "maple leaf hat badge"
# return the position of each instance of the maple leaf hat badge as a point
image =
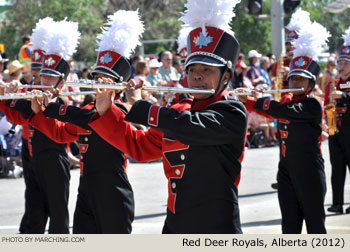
(211, 40)
(118, 40)
(61, 43)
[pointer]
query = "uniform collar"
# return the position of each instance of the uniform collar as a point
(198, 105)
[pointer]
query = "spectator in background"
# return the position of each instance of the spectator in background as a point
(239, 78)
(75, 100)
(264, 65)
(272, 60)
(241, 57)
(24, 54)
(133, 62)
(178, 66)
(85, 74)
(2, 64)
(26, 74)
(141, 75)
(167, 71)
(14, 70)
(253, 73)
(330, 72)
(153, 77)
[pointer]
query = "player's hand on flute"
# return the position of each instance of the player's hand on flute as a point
(242, 98)
(37, 102)
(133, 90)
(104, 97)
(12, 87)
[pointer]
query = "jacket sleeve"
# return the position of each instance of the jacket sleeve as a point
(138, 144)
(22, 106)
(71, 114)
(13, 116)
(60, 132)
(223, 122)
(307, 110)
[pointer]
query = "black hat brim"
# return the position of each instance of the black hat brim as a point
(302, 73)
(50, 72)
(34, 65)
(105, 72)
(205, 60)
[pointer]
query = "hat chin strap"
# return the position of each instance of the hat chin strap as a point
(217, 90)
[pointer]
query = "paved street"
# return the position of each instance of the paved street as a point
(258, 201)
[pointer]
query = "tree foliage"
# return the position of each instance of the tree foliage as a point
(160, 18)
(22, 15)
(252, 31)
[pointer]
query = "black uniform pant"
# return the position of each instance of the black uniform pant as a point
(105, 204)
(28, 177)
(50, 192)
(301, 193)
(339, 150)
(211, 217)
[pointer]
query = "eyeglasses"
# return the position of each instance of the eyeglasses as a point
(167, 59)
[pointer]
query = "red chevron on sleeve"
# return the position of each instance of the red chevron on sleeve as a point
(153, 115)
(63, 109)
(266, 104)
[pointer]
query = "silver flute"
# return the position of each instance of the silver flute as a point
(273, 91)
(346, 85)
(119, 86)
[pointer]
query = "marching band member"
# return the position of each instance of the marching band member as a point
(49, 159)
(105, 201)
(301, 175)
(298, 20)
(339, 143)
(200, 139)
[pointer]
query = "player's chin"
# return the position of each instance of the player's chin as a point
(201, 96)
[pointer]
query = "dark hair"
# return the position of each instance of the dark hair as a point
(176, 62)
(25, 38)
(135, 58)
(140, 66)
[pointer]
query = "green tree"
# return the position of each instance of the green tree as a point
(252, 32)
(22, 15)
(336, 24)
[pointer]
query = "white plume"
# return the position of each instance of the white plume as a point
(182, 38)
(299, 19)
(63, 39)
(216, 13)
(346, 37)
(311, 40)
(121, 33)
(40, 33)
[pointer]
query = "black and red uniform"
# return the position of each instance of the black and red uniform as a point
(339, 144)
(29, 179)
(50, 186)
(202, 143)
(105, 201)
(301, 175)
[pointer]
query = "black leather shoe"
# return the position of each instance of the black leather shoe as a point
(335, 209)
(347, 210)
(274, 186)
